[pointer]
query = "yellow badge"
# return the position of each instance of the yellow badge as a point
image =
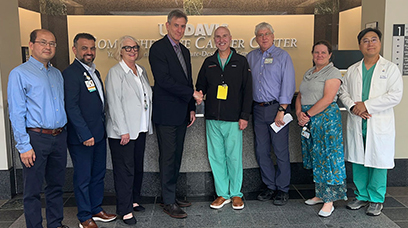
(222, 92)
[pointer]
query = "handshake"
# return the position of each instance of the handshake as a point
(198, 96)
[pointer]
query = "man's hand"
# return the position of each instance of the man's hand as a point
(124, 139)
(198, 96)
(89, 142)
(279, 119)
(192, 118)
(242, 124)
(28, 158)
(365, 115)
(359, 108)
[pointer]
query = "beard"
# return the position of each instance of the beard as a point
(89, 63)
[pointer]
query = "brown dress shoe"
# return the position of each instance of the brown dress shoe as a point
(237, 203)
(104, 217)
(174, 211)
(90, 223)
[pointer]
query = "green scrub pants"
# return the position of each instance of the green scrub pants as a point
(224, 145)
(371, 183)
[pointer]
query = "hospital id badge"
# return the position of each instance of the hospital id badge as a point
(305, 132)
(222, 92)
(268, 60)
(90, 85)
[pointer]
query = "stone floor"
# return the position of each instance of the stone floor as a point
(255, 213)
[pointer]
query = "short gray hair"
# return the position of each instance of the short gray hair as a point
(177, 14)
(263, 25)
(116, 53)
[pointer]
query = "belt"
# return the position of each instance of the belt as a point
(265, 104)
(53, 132)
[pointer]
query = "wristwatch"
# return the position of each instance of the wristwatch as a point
(281, 109)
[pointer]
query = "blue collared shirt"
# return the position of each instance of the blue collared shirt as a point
(36, 100)
(173, 43)
(273, 75)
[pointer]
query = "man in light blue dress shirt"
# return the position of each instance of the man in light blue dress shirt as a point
(36, 103)
(273, 78)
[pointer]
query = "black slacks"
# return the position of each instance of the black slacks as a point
(127, 164)
(171, 143)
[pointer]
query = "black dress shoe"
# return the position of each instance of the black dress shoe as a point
(281, 198)
(130, 221)
(139, 208)
(174, 211)
(183, 203)
(266, 195)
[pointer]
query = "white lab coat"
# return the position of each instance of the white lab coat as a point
(385, 93)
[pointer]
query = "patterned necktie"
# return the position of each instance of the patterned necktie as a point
(181, 59)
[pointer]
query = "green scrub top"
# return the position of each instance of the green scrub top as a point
(367, 76)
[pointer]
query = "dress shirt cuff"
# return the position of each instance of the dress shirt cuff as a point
(285, 100)
(23, 147)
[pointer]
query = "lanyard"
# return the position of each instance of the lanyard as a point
(226, 62)
(146, 105)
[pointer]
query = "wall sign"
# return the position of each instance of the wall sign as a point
(400, 47)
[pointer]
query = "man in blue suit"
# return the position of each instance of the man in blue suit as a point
(84, 104)
(173, 106)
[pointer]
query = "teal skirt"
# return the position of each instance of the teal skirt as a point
(323, 151)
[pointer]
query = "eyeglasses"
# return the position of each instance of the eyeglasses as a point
(373, 40)
(45, 43)
(129, 48)
(263, 34)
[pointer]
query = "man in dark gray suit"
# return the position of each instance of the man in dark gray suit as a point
(173, 106)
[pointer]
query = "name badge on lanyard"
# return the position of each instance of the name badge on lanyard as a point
(90, 85)
(222, 92)
(305, 131)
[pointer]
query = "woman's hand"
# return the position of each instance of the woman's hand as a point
(302, 118)
(124, 139)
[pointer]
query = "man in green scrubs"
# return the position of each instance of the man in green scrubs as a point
(226, 79)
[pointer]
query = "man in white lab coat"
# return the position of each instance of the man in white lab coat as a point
(371, 89)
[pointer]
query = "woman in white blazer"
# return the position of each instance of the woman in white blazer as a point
(371, 89)
(129, 101)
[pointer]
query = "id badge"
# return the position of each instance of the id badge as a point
(305, 132)
(90, 85)
(268, 60)
(222, 92)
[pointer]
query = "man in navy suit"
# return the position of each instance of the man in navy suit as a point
(84, 104)
(173, 106)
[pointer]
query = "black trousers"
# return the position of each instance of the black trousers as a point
(171, 143)
(127, 164)
(50, 163)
